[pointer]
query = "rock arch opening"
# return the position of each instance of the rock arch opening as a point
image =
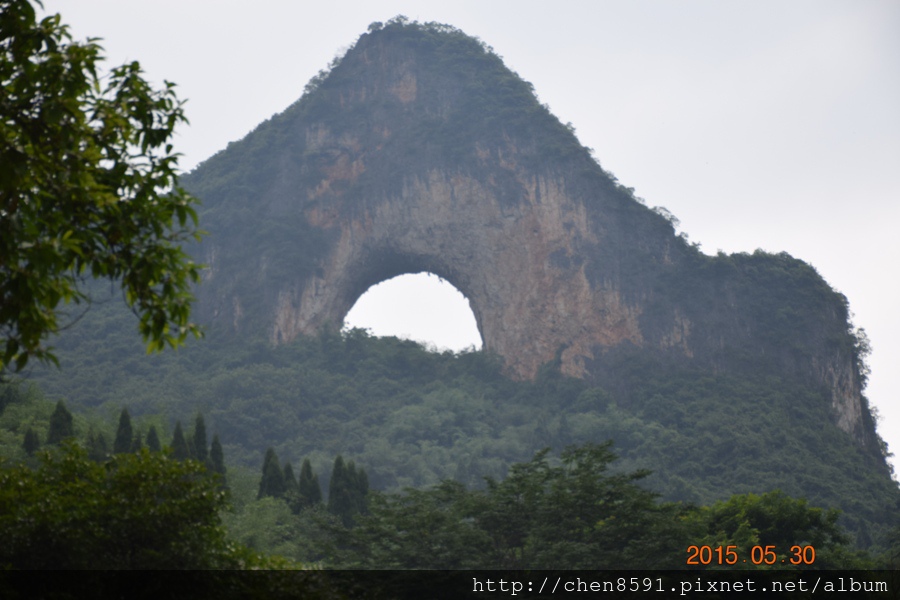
(418, 306)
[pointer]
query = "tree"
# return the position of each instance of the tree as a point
(199, 439)
(97, 447)
(347, 491)
(309, 488)
(217, 460)
(776, 520)
(137, 443)
(61, 424)
(31, 442)
(180, 449)
(124, 434)
(291, 488)
(136, 511)
(272, 481)
(153, 440)
(290, 481)
(88, 188)
(574, 515)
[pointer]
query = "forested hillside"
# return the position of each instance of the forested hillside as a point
(411, 417)
(75, 482)
(648, 392)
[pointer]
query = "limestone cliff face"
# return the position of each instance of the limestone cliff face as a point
(420, 152)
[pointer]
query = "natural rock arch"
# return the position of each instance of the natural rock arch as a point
(421, 307)
(421, 151)
(529, 300)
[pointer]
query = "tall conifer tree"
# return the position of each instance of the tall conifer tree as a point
(153, 440)
(340, 491)
(61, 424)
(272, 481)
(290, 480)
(124, 434)
(310, 490)
(201, 452)
(217, 459)
(31, 442)
(291, 489)
(179, 444)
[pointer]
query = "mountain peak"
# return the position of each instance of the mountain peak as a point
(419, 150)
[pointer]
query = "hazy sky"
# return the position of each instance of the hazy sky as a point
(759, 124)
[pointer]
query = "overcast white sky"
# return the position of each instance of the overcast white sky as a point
(759, 124)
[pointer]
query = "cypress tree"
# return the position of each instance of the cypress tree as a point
(31, 442)
(217, 459)
(310, 490)
(153, 440)
(290, 481)
(61, 424)
(199, 439)
(358, 487)
(180, 449)
(291, 489)
(124, 434)
(340, 492)
(272, 481)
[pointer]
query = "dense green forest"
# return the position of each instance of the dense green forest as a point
(137, 505)
(413, 418)
(415, 458)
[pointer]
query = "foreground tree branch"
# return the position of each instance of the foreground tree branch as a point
(88, 189)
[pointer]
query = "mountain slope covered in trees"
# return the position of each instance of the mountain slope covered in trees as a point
(412, 417)
(709, 420)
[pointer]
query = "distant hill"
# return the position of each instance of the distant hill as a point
(420, 151)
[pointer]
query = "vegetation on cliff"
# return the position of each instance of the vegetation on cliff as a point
(414, 418)
(75, 507)
(708, 423)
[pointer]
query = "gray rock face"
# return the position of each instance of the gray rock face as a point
(420, 152)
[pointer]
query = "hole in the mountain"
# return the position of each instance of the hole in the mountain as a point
(421, 307)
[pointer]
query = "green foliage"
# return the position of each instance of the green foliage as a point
(180, 448)
(137, 443)
(153, 443)
(124, 434)
(271, 484)
(137, 511)
(88, 188)
(347, 491)
(198, 440)
(309, 490)
(420, 529)
(340, 502)
(291, 488)
(61, 424)
(31, 443)
(216, 457)
(270, 525)
(415, 418)
(578, 513)
(572, 515)
(97, 447)
(777, 520)
(264, 525)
